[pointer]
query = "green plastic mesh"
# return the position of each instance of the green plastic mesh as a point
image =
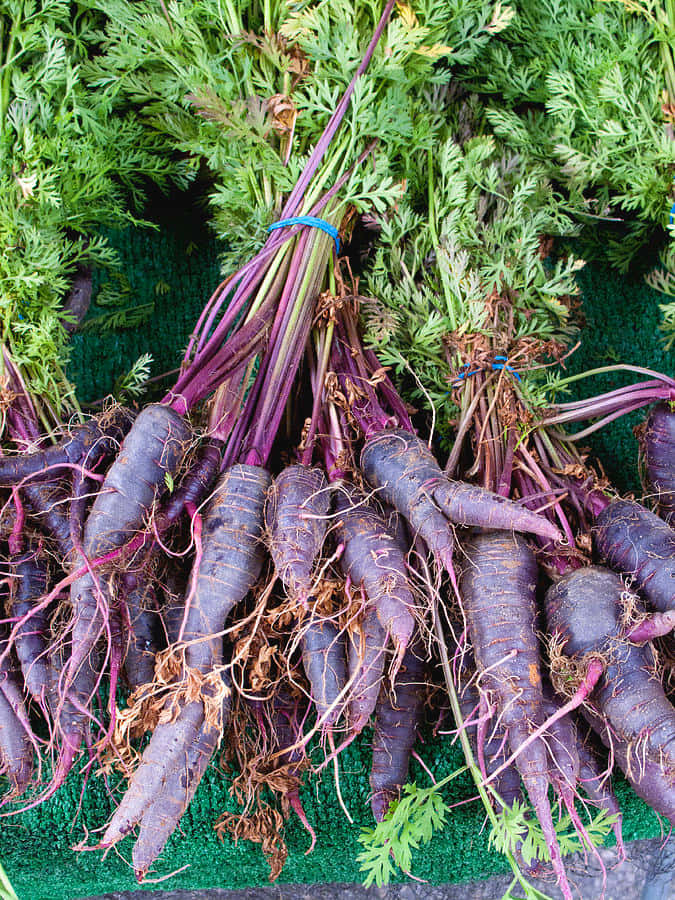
(35, 847)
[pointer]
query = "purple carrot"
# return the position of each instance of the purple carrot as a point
(296, 516)
(659, 450)
(29, 584)
(225, 569)
(498, 584)
(405, 473)
(143, 622)
(637, 543)
(597, 786)
(372, 558)
(48, 504)
(366, 654)
(397, 716)
(97, 437)
(325, 664)
(585, 610)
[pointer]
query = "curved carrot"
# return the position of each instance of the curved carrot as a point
(637, 543)
(584, 608)
(100, 436)
(407, 476)
(176, 757)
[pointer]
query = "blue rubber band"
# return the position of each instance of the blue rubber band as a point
(501, 362)
(313, 222)
(672, 214)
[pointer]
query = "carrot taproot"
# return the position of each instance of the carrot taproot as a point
(641, 546)
(366, 655)
(325, 663)
(155, 446)
(144, 624)
(498, 584)
(99, 436)
(32, 639)
(397, 716)
(584, 609)
(230, 563)
(405, 473)
(372, 558)
(296, 519)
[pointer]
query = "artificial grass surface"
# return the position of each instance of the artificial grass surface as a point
(177, 269)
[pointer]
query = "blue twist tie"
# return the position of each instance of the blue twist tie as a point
(313, 222)
(462, 373)
(672, 214)
(501, 363)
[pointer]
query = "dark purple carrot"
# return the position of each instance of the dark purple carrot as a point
(286, 720)
(637, 543)
(229, 564)
(659, 449)
(296, 519)
(325, 664)
(29, 584)
(397, 716)
(97, 437)
(49, 504)
(194, 486)
(584, 609)
(160, 818)
(372, 558)
(144, 638)
(16, 749)
(498, 589)
(154, 447)
(366, 657)
(405, 473)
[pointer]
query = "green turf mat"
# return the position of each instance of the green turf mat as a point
(176, 269)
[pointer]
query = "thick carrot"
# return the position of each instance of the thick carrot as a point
(659, 444)
(397, 715)
(373, 559)
(637, 543)
(32, 640)
(48, 503)
(296, 520)
(366, 654)
(144, 622)
(584, 609)
(230, 563)
(16, 751)
(154, 447)
(407, 476)
(498, 584)
(97, 437)
(161, 817)
(325, 664)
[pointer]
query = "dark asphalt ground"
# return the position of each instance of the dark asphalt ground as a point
(647, 874)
